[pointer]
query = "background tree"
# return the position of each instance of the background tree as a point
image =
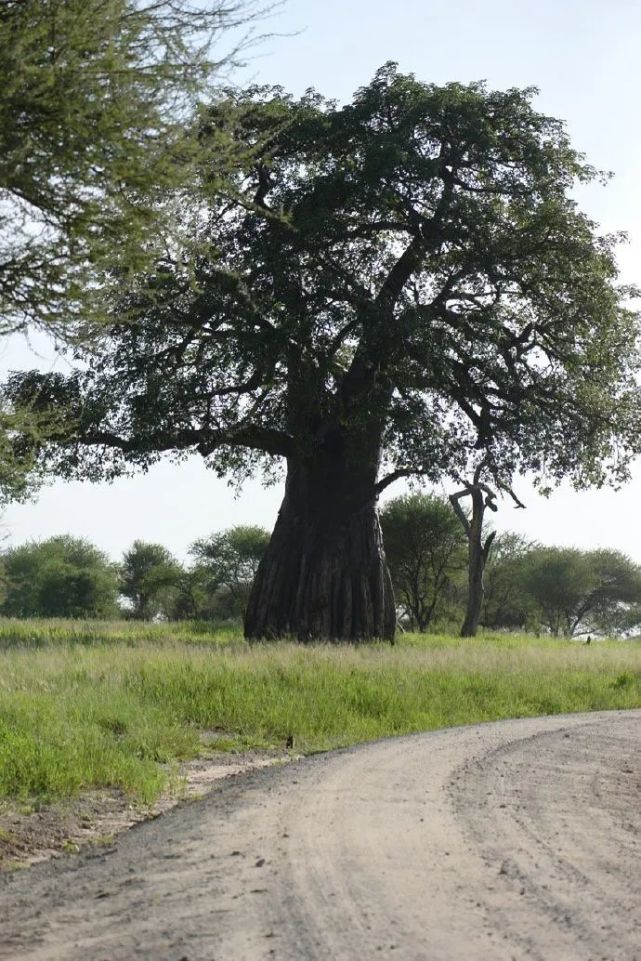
(580, 592)
(149, 579)
(94, 98)
(614, 602)
(402, 281)
(60, 577)
(478, 549)
(506, 601)
(425, 548)
(191, 600)
(225, 565)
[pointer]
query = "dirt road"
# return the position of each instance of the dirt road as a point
(516, 840)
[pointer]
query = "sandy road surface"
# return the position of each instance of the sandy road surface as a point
(504, 841)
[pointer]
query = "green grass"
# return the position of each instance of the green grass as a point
(96, 705)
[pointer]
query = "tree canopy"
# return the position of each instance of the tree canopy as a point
(149, 576)
(224, 567)
(94, 138)
(63, 576)
(399, 286)
(578, 592)
(425, 548)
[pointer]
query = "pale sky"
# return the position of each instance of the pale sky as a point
(584, 57)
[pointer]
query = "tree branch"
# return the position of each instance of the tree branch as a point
(394, 476)
(269, 441)
(399, 275)
(460, 513)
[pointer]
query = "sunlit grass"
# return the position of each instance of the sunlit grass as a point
(114, 711)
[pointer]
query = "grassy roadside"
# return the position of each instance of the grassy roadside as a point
(115, 711)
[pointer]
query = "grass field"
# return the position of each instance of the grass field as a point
(87, 705)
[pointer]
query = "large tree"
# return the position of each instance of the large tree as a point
(399, 286)
(93, 141)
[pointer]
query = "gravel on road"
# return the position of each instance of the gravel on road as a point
(498, 842)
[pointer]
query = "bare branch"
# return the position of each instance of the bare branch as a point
(460, 513)
(392, 478)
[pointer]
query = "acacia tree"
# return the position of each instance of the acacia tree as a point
(393, 287)
(92, 137)
(96, 147)
(506, 602)
(226, 563)
(148, 576)
(425, 549)
(582, 591)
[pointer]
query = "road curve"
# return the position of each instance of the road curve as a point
(498, 842)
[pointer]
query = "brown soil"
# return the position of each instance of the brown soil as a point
(28, 836)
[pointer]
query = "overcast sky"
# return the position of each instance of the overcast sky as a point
(583, 55)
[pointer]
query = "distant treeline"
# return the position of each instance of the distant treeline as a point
(528, 586)
(69, 577)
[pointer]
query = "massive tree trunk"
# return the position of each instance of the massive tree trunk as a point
(324, 574)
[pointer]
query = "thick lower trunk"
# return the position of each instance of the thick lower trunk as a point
(324, 574)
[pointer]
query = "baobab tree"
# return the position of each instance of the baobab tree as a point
(389, 288)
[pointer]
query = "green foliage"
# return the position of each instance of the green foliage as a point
(19, 437)
(582, 591)
(224, 568)
(149, 579)
(506, 602)
(60, 577)
(425, 548)
(562, 590)
(409, 271)
(95, 142)
(77, 717)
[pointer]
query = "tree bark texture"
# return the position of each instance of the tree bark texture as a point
(324, 574)
(475, 590)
